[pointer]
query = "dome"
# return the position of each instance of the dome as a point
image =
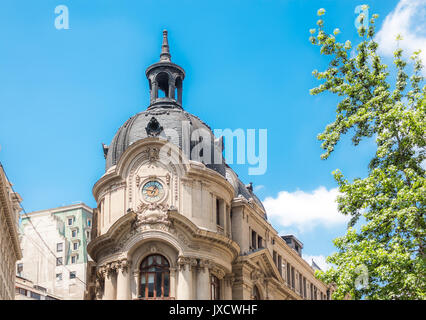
(152, 122)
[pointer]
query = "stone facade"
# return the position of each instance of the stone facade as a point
(10, 250)
(66, 232)
(168, 226)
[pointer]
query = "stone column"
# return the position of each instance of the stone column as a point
(173, 282)
(203, 280)
(123, 280)
(228, 281)
(100, 281)
(108, 286)
(184, 290)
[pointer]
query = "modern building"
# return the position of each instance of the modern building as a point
(27, 290)
(10, 250)
(174, 221)
(54, 243)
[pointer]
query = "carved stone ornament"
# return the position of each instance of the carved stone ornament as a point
(152, 213)
(153, 154)
(206, 264)
(257, 276)
(153, 128)
(183, 262)
(123, 265)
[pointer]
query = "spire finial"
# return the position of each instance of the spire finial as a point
(165, 53)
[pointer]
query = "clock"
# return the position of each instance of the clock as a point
(152, 191)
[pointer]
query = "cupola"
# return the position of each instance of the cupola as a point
(165, 80)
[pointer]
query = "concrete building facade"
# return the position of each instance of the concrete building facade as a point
(26, 290)
(57, 263)
(171, 226)
(10, 250)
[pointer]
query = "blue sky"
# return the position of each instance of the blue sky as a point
(248, 65)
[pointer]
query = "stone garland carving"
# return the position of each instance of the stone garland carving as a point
(155, 213)
(183, 262)
(203, 264)
(153, 154)
(113, 267)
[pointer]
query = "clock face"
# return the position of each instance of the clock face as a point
(152, 191)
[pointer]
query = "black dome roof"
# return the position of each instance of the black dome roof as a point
(138, 128)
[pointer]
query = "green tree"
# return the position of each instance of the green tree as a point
(389, 241)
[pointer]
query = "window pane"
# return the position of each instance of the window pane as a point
(143, 286)
(150, 285)
(166, 284)
(158, 282)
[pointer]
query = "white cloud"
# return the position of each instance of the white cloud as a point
(408, 20)
(259, 187)
(319, 260)
(304, 210)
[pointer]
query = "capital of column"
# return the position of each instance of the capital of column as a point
(229, 279)
(218, 272)
(205, 264)
(123, 265)
(189, 262)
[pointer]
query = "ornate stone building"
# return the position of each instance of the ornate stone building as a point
(10, 250)
(171, 224)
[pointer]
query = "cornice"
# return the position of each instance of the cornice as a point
(10, 215)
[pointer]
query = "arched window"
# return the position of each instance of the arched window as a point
(154, 277)
(256, 293)
(162, 80)
(215, 288)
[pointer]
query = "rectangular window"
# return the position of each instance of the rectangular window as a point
(253, 239)
(312, 291)
(292, 278)
(75, 245)
(70, 220)
(219, 212)
(259, 242)
(304, 288)
(59, 261)
(300, 285)
(274, 257)
(74, 233)
(58, 276)
(59, 247)
(35, 296)
(73, 259)
(89, 223)
(19, 268)
(280, 265)
(288, 273)
(73, 275)
(22, 291)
